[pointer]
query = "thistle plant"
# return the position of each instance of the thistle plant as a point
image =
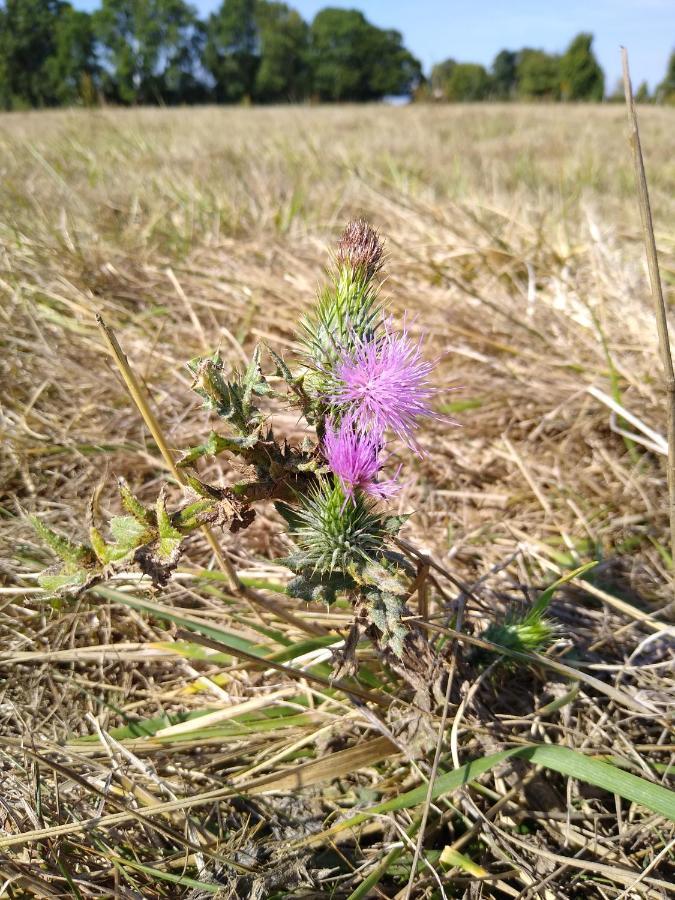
(363, 387)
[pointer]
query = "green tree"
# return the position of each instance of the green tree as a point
(257, 51)
(538, 75)
(469, 82)
(393, 70)
(581, 77)
(72, 67)
(505, 74)
(440, 76)
(150, 50)
(353, 60)
(642, 93)
(231, 51)
(283, 42)
(339, 47)
(665, 92)
(45, 47)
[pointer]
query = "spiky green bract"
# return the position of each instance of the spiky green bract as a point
(345, 309)
(333, 534)
(530, 633)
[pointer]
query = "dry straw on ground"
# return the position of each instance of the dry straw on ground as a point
(513, 237)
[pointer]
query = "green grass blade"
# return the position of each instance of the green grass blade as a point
(182, 880)
(164, 612)
(568, 762)
(544, 599)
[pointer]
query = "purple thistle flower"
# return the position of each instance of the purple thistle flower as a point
(354, 457)
(384, 382)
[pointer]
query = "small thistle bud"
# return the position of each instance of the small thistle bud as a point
(531, 634)
(208, 380)
(361, 248)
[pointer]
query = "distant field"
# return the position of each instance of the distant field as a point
(513, 241)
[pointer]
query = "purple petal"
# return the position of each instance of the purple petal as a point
(385, 383)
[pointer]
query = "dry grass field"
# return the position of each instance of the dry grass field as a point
(135, 762)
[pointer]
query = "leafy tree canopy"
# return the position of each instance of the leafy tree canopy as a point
(538, 75)
(581, 77)
(257, 50)
(353, 60)
(231, 51)
(46, 48)
(283, 41)
(158, 51)
(505, 74)
(150, 50)
(440, 75)
(665, 92)
(465, 82)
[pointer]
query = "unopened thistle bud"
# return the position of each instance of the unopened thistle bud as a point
(208, 379)
(530, 634)
(332, 534)
(361, 248)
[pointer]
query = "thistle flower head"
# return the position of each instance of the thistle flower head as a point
(361, 248)
(384, 383)
(354, 456)
(331, 534)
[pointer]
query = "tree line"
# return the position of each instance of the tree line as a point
(159, 51)
(260, 51)
(531, 74)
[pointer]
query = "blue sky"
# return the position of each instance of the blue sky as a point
(475, 31)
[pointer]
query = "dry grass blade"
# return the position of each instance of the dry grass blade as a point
(655, 282)
(351, 690)
(333, 766)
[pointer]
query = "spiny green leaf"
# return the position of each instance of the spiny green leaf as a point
(544, 599)
(64, 548)
(193, 515)
(376, 611)
(99, 545)
(128, 533)
(231, 399)
(378, 574)
(385, 611)
(393, 524)
(316, 589)
(170, 538)
(60, 582)
(254, 382)
(281, 368)
(134, 506)
(216, 444)
(202, 489)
